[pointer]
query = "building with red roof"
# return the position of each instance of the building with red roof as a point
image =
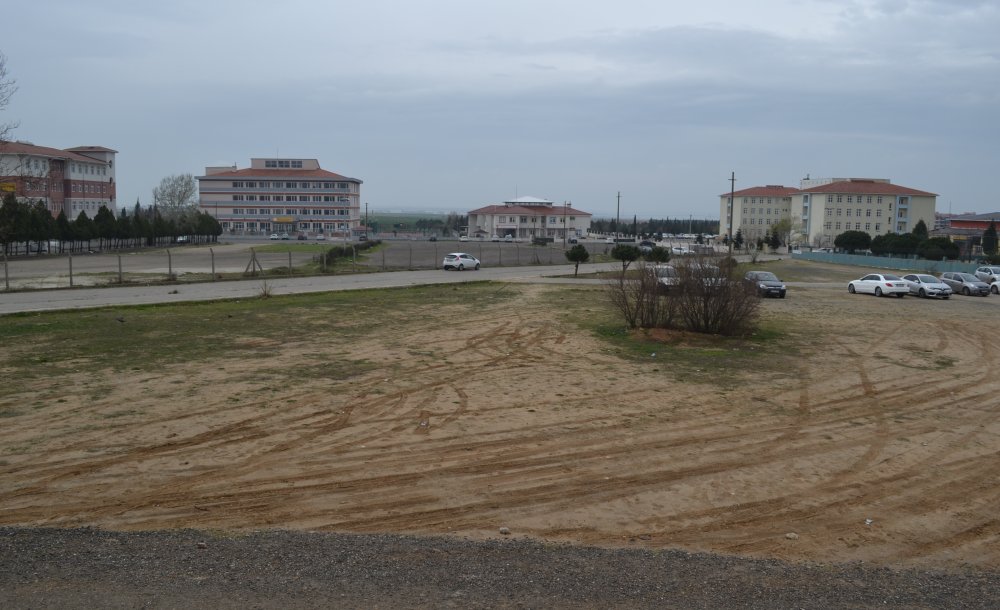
(528, 218)
(821, 209)
(72, 180)
(281, 196)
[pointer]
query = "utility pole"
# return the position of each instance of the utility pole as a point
(565, 228)
(618, 215)
(732, 202)
(366, 219)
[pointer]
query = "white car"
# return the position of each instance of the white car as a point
(989, 274)
(320, 237)
(463, 238)
(924, 285)
(274, 236)
(460, 261)
(879, 284)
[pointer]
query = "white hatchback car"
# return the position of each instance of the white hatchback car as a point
(989, 274)
(879, 284)
(460, 261)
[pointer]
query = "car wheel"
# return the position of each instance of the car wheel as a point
(966, 291)
(923, 295)
(850, 288)
(781, 296)
(477, 266)
(900, 295)
(461, 267)
(994, 288)
(878, 291)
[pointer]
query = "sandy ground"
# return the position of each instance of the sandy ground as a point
(879, 440)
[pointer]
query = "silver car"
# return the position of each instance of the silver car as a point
(460, 261)
(927, 286)
(989, 274)
(965, 283)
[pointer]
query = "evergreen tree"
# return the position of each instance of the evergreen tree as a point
(920, 230)
(990, 239)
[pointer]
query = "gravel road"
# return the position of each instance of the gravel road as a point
(86, 568)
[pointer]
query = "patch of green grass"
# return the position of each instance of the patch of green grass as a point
(43, 344)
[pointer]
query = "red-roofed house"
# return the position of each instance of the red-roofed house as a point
(281, 196)
(74, 180)
(529, 217)
(822, 209)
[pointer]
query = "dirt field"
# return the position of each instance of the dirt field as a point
(854, 428)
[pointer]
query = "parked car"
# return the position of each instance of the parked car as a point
(460, 261)
(988, 274)
(666, 277)
(995, 287)
(510, 238)
(965, 283)
(285, 236)
(432, 238)
(183, 239)
(646, 246)
(766, 283)
(609, 240)
(574, 240)
(494, 238)
(320, 237)
(301, 237)
(927, 286)
(879, 284)
(463, 238)
(274, 236)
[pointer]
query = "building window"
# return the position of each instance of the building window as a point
(237, 185)
(840, 198)
(879, 199)
(827, 226)
(850, 199)
(868, 226)
(878, 213)
(848, 212)
(829, 198)
(251, 197)
(867, 212)
(857, 226)
(869, 198)
(838, 226)
(829, 211)
(878, 227)
(237, 197)
(838, 211)
(238, 211)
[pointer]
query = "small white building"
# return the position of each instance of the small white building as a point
(529, 217)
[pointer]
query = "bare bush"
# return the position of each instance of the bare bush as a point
(707, 299)
(640, 299)
(712, 300)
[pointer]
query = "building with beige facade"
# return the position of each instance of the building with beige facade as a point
(528, 218)
(281, 196)
(71, 180)
(822, 209)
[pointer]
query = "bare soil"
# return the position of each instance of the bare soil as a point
(873, 436)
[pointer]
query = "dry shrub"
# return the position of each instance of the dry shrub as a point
(708, 299)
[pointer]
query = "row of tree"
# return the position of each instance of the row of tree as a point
(652, 226)
(918, 242)
(26, 222)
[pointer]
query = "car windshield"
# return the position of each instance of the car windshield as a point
(766, 276)
(928, 279)
(968, 277)
(666, 272)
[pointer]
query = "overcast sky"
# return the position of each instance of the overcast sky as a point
(455, 104)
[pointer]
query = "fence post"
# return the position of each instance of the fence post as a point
(499, 256)
(70, 269)
(289, 262)
(212, 252)
(354, 258)
(410, 264)
(119, 268)
(6, 276)
(170, 267)
(383, 259)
